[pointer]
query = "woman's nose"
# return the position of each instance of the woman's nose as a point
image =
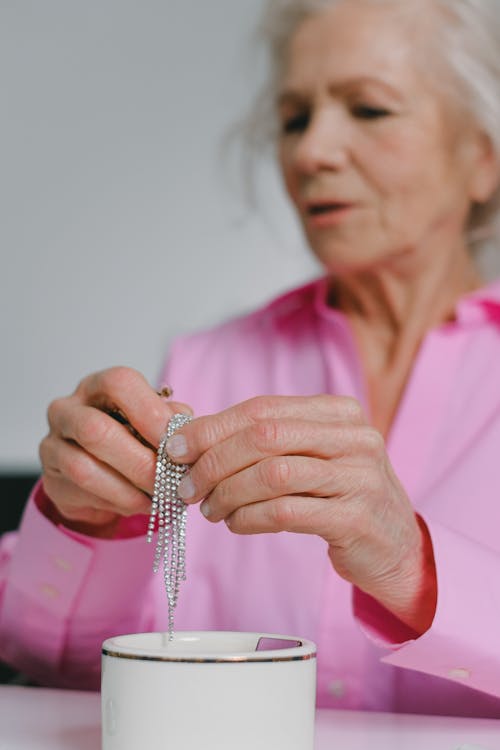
(324, 144)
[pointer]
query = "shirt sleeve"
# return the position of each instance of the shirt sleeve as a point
(463, 642)
(63, 593)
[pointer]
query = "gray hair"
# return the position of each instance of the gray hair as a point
(467, 43)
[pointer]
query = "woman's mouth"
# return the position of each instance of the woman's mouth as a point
(327, 213)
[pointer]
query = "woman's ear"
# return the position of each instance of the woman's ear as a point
(485, 176)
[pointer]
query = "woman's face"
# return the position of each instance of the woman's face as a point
(378, 166)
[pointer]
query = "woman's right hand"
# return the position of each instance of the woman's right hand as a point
(94, 470)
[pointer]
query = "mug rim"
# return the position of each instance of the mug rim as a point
(116, 648)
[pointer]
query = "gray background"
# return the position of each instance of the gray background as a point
(119, 226)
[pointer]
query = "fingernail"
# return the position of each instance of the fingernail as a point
(205, 508)
(186, 489)
(176, 446)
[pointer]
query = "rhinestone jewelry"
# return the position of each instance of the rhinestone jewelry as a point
(170, 511)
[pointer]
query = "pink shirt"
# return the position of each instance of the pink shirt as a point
(63, 593)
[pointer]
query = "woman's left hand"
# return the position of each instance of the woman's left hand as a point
(313, 465)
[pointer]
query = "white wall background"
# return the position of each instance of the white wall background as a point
(117, 230)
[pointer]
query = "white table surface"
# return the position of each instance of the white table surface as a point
(41, 719)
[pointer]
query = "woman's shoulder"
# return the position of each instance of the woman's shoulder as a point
(243, 356)
(296, 303)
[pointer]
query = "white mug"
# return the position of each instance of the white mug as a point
(208, 691)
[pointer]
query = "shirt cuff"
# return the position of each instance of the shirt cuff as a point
(62, 587)
(463, 642)
(127, 527)
(378, 624)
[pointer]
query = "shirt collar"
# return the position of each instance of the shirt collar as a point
(475, 307)
(480, 305)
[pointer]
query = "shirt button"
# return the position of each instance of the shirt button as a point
(61, 563)
(50, 591)
(459, 673)
(336, 688)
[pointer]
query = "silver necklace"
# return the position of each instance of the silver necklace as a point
(171, 513)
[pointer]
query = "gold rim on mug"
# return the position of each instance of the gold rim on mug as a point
(254, 657)
(218, 660)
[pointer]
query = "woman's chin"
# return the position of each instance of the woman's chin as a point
(351, 261)
(345, 259)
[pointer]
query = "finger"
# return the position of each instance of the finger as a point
(279, 476)
(76, 514)
(107, 440)
(61, 458)
(293, 513)
(76, 504)
(281, 437)
(204, 432)
(128, 390)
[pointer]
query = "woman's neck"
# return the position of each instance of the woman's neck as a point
(390, 310)
(392, 305)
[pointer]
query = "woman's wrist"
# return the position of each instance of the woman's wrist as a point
(412, 595)
(49, 509)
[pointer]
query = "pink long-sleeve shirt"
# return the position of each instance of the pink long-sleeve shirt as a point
(63, 593)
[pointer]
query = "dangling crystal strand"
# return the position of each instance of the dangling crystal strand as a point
(154, 502)
(162, 499)
(182, 544)
(179, 562)
(170, 512)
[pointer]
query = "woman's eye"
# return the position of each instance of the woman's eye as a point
(365, 112)
(295, 124)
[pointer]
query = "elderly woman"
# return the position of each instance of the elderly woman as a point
(360, 412)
